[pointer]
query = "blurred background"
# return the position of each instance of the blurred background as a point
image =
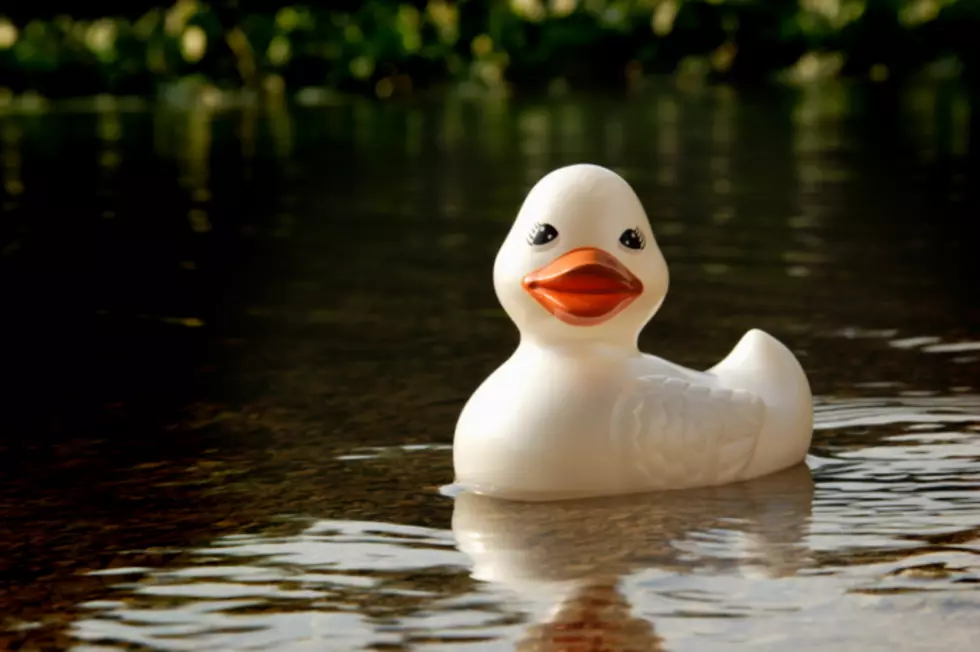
(245, 291)
(385, 49)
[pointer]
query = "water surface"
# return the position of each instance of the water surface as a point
(238, 342)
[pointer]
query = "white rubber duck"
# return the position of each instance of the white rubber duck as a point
(577, 410)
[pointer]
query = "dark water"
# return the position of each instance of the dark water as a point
(237, 341)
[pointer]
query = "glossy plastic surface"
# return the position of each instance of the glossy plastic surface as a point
(578, 410)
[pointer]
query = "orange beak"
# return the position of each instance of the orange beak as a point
(583, 287)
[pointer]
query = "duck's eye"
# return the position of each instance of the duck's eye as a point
(541, 234)
(632, 238)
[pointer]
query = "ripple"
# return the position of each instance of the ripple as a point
(334, 583)
(839, 413)
(896, 490)
(879, 534)
(952, 347)
(374, 452)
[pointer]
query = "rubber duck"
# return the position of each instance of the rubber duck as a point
(578, 410)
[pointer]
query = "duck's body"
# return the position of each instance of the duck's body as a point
(578, 410)
(554, 423)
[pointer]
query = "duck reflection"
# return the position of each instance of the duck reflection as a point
(575, 553)
(594, 617)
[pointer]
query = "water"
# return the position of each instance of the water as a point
(238, 341)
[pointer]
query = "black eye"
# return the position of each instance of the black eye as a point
(633, 238)
(541, 234)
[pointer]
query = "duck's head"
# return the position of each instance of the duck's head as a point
(581, 262)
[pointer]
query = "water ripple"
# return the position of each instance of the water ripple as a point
(325, 583)
(838, 413)
(879, 532)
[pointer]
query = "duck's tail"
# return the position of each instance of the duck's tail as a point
(763, 365)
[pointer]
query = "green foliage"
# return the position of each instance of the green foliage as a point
(387, 48)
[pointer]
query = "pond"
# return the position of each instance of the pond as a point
(238, 341)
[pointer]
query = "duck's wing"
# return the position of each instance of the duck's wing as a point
(675, 433)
